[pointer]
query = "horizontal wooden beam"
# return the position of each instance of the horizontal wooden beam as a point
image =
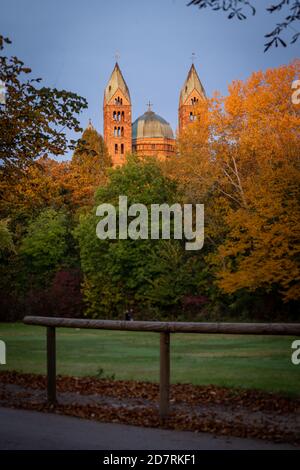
(287, 329)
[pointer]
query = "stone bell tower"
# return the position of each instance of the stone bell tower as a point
(191, 93)
(117, 117)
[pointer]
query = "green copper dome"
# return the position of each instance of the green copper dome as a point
(151, 125)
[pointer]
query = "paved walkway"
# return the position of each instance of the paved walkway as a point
(30, 430)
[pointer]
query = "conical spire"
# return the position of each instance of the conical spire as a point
(191, 83)
(116, 82)
(90, 125)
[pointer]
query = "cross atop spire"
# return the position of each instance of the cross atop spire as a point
(117, 56)
(149, 104)
(90, 125)
(193, 57)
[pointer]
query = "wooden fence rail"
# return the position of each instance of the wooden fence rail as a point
(164, 328)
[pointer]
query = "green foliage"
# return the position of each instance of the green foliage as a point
(33, 118)
(46, 243)
(6, 240)
(158, 279)
(149, 275)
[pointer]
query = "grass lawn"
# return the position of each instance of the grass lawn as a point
(262, 362)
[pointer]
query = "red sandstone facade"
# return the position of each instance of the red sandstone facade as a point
(160, 147)
(191, 94)
(149, 135)
(187, 110)
(117, 117)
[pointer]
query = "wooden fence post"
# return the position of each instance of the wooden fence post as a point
(51, 365)
(164, 384)
(164, 328)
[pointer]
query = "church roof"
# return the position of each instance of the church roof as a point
(116, 82)
(191, 83)
(151, 125)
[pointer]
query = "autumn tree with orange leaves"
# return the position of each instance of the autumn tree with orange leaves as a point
(68, 185)
(241, 157)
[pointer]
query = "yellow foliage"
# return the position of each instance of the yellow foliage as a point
(241, 158)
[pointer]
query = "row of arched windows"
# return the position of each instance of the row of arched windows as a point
(194, 101)
(118, 116)
(118, 131)
(121, 149)
(193, 117)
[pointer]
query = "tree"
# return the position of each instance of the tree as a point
(149, 275)
(240, 8)
(88, 168)
(68, 185)
(32, 118)
(40, 186)
(244, 152)
(45, 246)
(6, 239)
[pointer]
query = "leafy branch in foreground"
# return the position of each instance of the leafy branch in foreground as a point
(33, 119)
(294, 15)
(240, 9)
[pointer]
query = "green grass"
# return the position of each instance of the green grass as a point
(262, 362)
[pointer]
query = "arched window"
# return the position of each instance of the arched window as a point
(118, 101)
(115, 131)
(122, 131)
(119, 131)
(192, 117)
(116, 148)
(114, 116)
(122, 116)
(119, 116)
(122, 149)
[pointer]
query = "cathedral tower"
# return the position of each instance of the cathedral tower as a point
(117, 117)
(191, 93)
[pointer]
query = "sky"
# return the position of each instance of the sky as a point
(72, 45)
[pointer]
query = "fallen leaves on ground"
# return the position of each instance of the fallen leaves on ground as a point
(184, 400)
